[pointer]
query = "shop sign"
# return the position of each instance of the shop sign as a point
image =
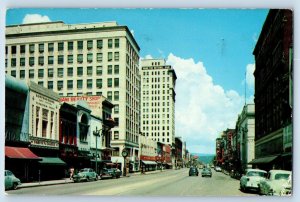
(43, 142)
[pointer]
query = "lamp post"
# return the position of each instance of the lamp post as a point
(97, 134)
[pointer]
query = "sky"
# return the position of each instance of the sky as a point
(210, 50)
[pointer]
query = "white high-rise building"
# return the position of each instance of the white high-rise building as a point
(158, 100)
(83, 59)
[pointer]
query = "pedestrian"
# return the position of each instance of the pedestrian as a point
(71, 173)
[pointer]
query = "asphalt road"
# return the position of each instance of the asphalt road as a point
(167, 183)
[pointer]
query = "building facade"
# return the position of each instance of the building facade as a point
(245, 134)
(74, 60)
(158, 100)
(273, 108)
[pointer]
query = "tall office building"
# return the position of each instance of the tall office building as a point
(158, 100)
(83, 59)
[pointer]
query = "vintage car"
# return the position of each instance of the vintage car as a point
(193, 171)
(11, 181)
(251, 179)
(274, 183)
(218, 169)
(206, 172)
(85, 174)
(110, 173)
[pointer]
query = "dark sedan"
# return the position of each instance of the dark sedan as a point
(206, 172)
(193, 171)
(110, 173)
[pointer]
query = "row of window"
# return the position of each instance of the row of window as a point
(60, 46)
(154, 73)
(111, 56)
(156, 121)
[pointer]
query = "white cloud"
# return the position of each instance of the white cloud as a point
(132, 32)
(148, 57)
(249, 75)
(203, 109)
(35, 18)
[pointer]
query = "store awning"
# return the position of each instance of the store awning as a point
(149, 162)
(20, 153)
(52, 161)
(263, 160)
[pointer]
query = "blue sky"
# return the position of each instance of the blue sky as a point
(210, 50)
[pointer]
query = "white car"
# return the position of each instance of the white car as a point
(218, 169)
(252, 178)
(11, 181)
(274, 183)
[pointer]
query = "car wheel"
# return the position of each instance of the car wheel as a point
(87, 179)
(96, 178)
(15, 186)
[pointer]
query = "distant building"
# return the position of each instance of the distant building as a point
(245, 134)
(273, 89)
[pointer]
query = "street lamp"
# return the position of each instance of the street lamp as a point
(97, 134)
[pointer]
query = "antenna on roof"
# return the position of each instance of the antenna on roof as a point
(245, 87)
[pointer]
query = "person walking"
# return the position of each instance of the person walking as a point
(71, 173)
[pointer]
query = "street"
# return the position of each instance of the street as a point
(167, 183)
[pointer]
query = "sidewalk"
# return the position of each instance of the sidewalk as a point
(67, 180)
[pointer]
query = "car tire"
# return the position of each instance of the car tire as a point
(15, 186)
(87, 179)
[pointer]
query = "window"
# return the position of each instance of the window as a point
(116, 69)
(116, 109)
(116, 135)
(70, 84)
(13, 73)
(41, 60)
(89, 83)
(60, 46)
(22, 62)
(89, 45)
(99, 83)
(99, 93)
(80, 58)
(99, 57)
(109, 95)
(109, 69)
(22, 74)
(41, 83)
(79, 71)
(31, 48)
(50, 73)
(60, 85)
(116, 81)
(99, 44)
(50, 60)
(31, 61)
(13, 62)
(31, 73)
(79, 45)
(41, 48)
(6, 50)
(40, 73)
(70, 59)
(13, 49)
(50, 47)
(109, 57)
(110, 43)
(60, 72)
(89, 70)
(79, 84)
(70, 45)
(70, 71)
(60, 59)
(50, 85)
(109, 82)
(22, 49)
(99, 70)
(117, 44)
(116, 56)
(116, 96)
(90, 57)
(116, 121)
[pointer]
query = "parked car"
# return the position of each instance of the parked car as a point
(85, 174)
(252, 178)
(11, 181)
(287, 187)
(193, 171)
(274, 183)
(110, 173)
(206, 172)
(218, 169)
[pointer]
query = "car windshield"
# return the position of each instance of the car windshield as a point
(280, 176)
(256, 173)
